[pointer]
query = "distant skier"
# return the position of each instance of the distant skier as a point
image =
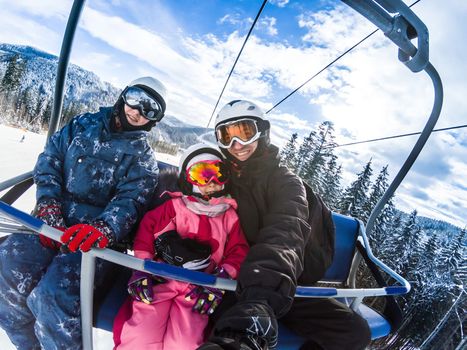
(202, 218)
(22, 138)
(94, 181)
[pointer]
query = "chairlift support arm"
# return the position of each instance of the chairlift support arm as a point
(63, 65)
(23, 184)
(400, 24)
(401, 27)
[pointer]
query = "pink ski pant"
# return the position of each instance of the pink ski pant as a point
(166, 324)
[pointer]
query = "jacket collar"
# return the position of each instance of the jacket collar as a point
(107, 133)
(213, 207)
(258, 165)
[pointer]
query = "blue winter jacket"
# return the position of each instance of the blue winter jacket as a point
(97, 174)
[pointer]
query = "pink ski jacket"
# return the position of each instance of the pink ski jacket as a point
(215, 223)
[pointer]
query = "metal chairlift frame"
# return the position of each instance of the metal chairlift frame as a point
(401, 25)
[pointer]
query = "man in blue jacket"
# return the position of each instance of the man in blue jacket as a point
(94, 181)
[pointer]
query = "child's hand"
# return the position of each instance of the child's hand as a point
(140, 286)
(184, 252)
(208, 298)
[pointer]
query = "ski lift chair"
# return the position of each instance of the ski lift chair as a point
(401, 26)
(350, 245)
(350, 240)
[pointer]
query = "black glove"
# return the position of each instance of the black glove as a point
(184, 252)
(249, 324)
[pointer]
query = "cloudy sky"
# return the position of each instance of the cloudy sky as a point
(192, 45)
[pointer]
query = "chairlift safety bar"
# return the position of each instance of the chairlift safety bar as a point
(173, 272)
(15, 180)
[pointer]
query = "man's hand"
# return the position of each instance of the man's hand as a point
(49, 242)
(85, 236)
(50, 211)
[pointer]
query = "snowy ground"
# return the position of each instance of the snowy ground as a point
(19, 157)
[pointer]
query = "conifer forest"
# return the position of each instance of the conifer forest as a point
(430, 254)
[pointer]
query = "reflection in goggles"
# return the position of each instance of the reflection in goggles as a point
(244, 131)
(202, 173)
(149, 107)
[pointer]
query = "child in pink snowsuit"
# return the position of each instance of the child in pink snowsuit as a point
(173, 314)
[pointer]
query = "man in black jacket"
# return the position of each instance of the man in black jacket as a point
(291, 235)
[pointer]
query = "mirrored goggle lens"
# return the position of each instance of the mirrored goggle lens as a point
(202, 173)
(137, 98)
(244, 130)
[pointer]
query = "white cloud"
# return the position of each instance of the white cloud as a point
(234, 19)
(15, 29)
(335, 28)
(269, 25)
(43, 8)
(279, 3)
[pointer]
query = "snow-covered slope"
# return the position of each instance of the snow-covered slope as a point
(86, 91)
(39, 76)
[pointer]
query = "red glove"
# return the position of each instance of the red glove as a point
(50, 212)
(85, 236)
(49, 242)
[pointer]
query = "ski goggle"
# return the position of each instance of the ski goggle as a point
(202, 173)
(148, 106)
(244, 131)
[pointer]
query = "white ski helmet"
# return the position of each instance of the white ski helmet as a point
(195, 150)
(239, 109)
(153, 87)
(193, 154)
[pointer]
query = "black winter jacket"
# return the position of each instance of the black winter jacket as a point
(274, 209)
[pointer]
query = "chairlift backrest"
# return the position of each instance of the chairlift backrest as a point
(344, 248)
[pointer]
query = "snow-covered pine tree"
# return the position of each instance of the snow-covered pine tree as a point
(355, 195)
(378, 235)
(45, 117)
(288, 153)
(457, 259)
(13, 74)
(439, 296)
(392, 246)
(25, 105)
(331, 188)
(321, 149)
(411, 254)
(304, 153)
